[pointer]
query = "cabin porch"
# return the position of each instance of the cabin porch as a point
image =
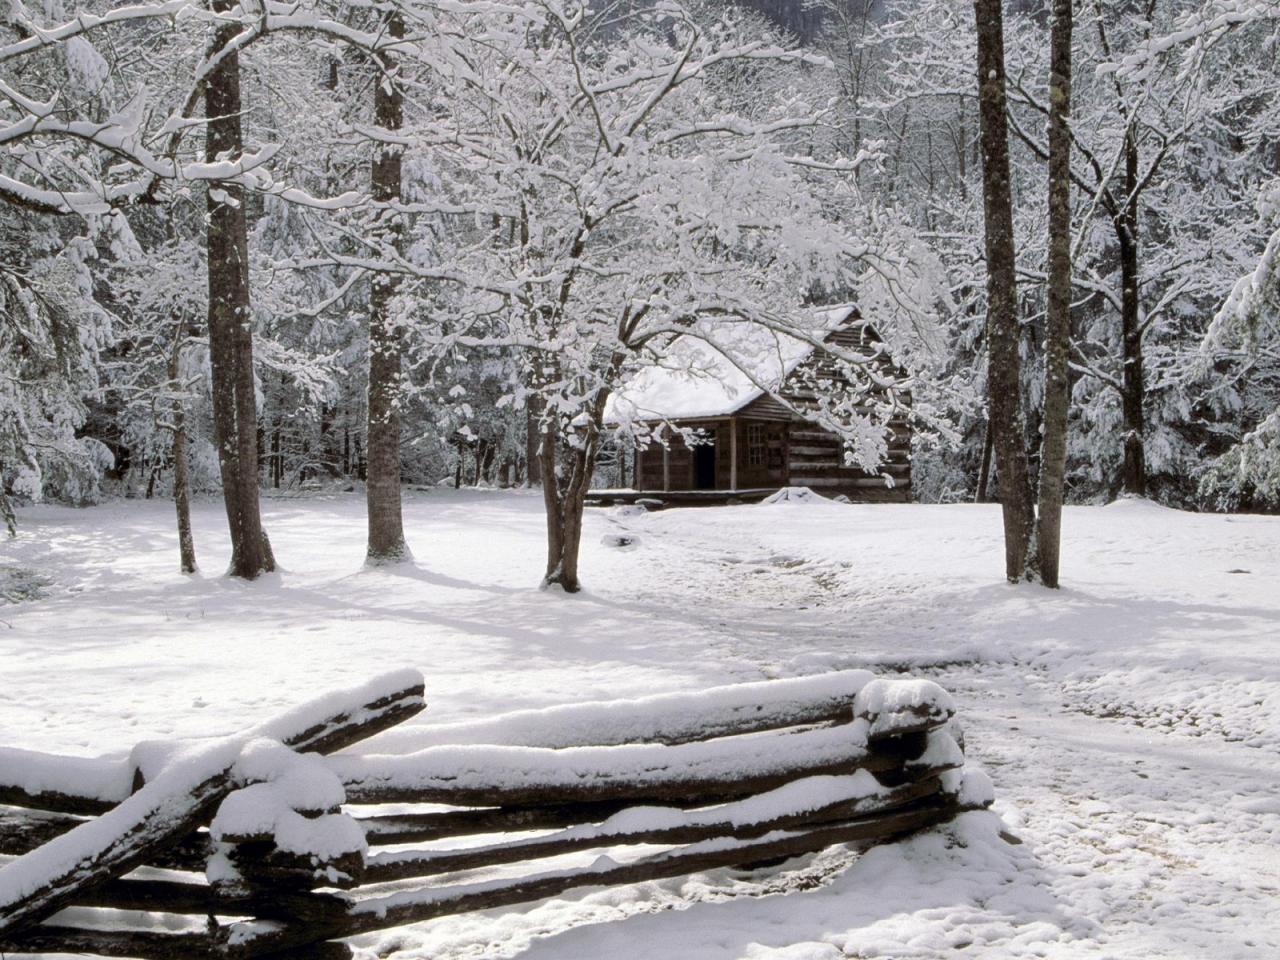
(730, 454)
(657, 500)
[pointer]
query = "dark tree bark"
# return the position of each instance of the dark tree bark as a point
(1004, 374)
(230, 333)
(1134, 476)
(490, 457)
(382, 487)
(566, 476)
(984, 465)
(182, 498)
(533, 468)
(181, 479)
(277, 458)
(1057, 397)
(1124, 211)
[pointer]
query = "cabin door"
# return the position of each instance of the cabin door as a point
(704, 466)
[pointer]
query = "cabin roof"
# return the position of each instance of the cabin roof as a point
(695, 380)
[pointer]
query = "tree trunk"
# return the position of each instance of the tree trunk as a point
(1134, 477)
(490, 456)
(533, 463)
(277, 459)
(382, 489)
(230, 333)
(1004, 376)
(565, 481)
(182, 496)
(984, 467)
(181, 480)
(1057, 396)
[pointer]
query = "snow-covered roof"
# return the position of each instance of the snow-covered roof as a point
(695, 379)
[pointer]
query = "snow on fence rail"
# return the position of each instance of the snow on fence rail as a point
(274, 825)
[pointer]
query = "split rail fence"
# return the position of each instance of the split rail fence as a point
(275, 843)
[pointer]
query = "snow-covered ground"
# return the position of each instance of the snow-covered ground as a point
(1131, 721)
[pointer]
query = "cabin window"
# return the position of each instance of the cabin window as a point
(775, 451)
(755, 444)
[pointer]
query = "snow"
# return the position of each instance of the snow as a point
(174, 771)
(381, 906)
(326, 838)
(164, 796)
(455, 770)
(36, 772)
(1129, 723)
(698, 379)
(299, 781)
(667, 717)
(811, 793)
(796, 495)
(799, 797)
(971, 788)
(282, 786)
(940, 751)
(111, 779)
(892, 705)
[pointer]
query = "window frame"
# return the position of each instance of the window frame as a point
(757, 445)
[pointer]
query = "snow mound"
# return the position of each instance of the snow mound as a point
(1131, 503)
(895, 707)
(34, 772)
(795, 495)
(283, 787)
(663, 716)
(276, 779)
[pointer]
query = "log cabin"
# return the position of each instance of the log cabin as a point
(726, 436)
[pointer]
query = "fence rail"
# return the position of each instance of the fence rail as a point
(273, 825)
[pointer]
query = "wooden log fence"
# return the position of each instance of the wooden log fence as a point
(245, 828)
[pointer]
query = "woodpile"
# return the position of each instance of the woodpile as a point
(263, 826)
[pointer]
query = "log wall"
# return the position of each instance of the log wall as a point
(816, 456)
(797, 452)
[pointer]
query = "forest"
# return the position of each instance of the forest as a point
(337, 245)
(633, 479)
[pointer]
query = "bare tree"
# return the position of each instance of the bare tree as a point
(1053, 444)
(235, 416)
(382, 488)
(1004, 375)
(176, 424)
